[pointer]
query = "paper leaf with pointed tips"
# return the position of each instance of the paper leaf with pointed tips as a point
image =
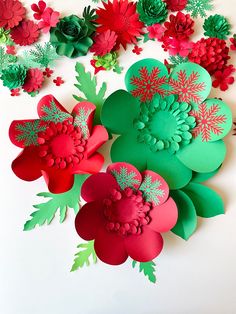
(82, 258)
(87, 85)
(148, 269)
(46, 211)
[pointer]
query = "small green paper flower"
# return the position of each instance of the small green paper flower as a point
(108, 61)
(13, 76)
(152, 11)
(217, 26)
(4, 36)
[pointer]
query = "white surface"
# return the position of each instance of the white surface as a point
(198, 276)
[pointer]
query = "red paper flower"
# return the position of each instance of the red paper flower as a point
(104, 43)
(121, 17)
(137, 50)
(179, 26)
(11, 50)
(33, 81)
(211, 53)
(155, 31)
(58, 81)
(12, 13)
(125, 213)
(25, 34)
(50, 19)
(224, 78)
(58, 145)
(39, 9)
(175, 46)
(176, 5)
(48, 72)
(15, 92)
(233, 43)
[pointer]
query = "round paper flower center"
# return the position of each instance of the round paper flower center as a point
(121, 23)
(165, 124)
(126, 212)
(62, 145)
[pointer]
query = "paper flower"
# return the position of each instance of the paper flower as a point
(120, 16)
(176, 5)
(216, 26)
(26, 33)
(39, 9)
(126, 214)
(50, 19)
(11, 50)
(15, 92)
(179, 26)
(33, 81)
(104, 43)
(107, 62)
(177, 47)
(233, 42)
(70, 37)
(152, 11)
(12, 13)
(58, 81)
(211, 53)
(4, 36)
(137, 50)
(156, 31)
(160, 133)
(48, 72)
(224, 78)
(13, 76)
(58, 144)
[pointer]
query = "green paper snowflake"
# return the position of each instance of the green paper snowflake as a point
(151, 190)
(124, 178)
(29, 132)
(5, 59)
(176, 60)
(199, 7)
(53, 114)
(81, 120)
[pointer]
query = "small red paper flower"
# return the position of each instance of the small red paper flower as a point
(15, 92)
(48, 72)
(58, 81)
(233, 43)
(11, 50)
(50, 19)
(120, 16)
(155, 31)
(39, 9)
(224, 78)
(104, 43)
(58, 144)
(179, 26)
(175, 46)
(33, 81)
(96, 69)
(125, 213)
(176, 5)
(137, 50)
(25, 34)
(12, 13)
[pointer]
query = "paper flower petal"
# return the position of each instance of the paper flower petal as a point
(98, 187)
(202, 177)
(59, 180)
(119, 111)
(98, 137)
(91, 165)
(145, 247)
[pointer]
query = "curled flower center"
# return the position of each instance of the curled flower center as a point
(126, 212)
(62, 145)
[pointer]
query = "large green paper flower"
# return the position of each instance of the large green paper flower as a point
(160, 134)
(217, 26)
(152, 11)
(71, 37)
(13, 76)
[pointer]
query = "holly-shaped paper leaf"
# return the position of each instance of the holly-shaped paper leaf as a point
(88, 87)
(82, 258)
(206, 201)
(46, 211)
(148, 269)
(187, 217)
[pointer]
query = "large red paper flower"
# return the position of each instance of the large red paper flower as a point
(104, 43)
(25, 34)
(33, 81)
(58, 145)
(11, 13)
(121, 17)
(125, 213)
(179, 26)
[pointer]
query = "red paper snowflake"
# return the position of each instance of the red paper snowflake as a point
(208, 121)
(148, 84)
(187, 88)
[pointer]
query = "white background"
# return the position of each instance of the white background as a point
(198, 276)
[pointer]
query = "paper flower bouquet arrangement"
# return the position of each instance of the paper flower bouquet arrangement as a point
(166, 138)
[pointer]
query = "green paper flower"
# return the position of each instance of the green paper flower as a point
(13, 76)
(71, 37)
(109, 61)
(152, 11)
(217, 26)
(171, 137)
(4, 36)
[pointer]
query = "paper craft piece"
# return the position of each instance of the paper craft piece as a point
(129, 210)
(199, 7)
(82, 258)
(12, 13)
(166, 134)
(45, 212)
(58, 145)
(148, 269)
(217, 26)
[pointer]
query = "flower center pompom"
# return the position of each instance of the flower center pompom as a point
(62, 145)
(126, 212)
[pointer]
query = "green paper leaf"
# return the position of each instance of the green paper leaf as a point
(206, 201)
(86, 251)
(88, 87)
(187, 217)
(46, 211)
(148, 269)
